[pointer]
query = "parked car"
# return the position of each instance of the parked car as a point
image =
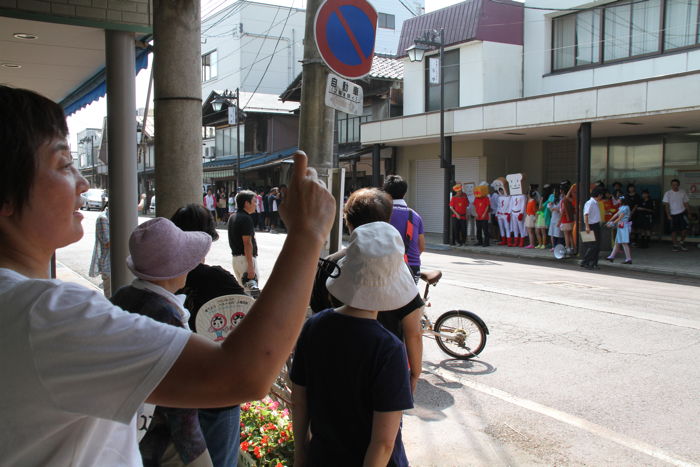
(95, 198)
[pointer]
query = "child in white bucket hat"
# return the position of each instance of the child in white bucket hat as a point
(350, 374)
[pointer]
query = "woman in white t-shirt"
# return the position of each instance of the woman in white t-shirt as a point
(75, 367)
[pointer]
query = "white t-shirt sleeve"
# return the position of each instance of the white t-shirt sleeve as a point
(666, 198)
(94, 358)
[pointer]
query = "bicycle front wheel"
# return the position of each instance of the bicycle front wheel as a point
(459, 335)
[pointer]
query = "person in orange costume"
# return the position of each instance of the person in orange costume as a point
(482, 207)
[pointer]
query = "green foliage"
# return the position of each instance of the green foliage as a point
(266, 433)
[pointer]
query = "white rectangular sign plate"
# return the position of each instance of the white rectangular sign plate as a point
(343, 95)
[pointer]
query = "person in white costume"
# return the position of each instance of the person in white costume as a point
(75, 367)
(517, 210)
(500, 185)
(517, 220)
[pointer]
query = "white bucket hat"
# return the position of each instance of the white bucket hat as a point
(373, 274)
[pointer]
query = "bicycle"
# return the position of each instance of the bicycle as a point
(460, 334)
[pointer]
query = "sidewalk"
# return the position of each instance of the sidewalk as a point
(658, 259)
(66, 274)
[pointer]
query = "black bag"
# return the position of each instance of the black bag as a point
(327, 267)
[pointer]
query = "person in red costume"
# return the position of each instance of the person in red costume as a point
(458, 208)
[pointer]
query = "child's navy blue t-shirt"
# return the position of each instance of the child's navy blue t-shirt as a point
(350, 368)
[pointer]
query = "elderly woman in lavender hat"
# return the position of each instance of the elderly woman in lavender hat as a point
(161, 257)
(76, 368)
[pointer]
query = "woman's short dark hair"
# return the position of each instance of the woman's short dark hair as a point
(395, 186)
(368, 205)
(195, 218)
(242, 197)
(29, 120)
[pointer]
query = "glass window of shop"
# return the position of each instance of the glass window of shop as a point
(637, 160)
(682, 161)
(651, 162)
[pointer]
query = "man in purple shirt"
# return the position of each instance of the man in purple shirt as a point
(407, 221)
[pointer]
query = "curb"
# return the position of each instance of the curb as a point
(514, 253)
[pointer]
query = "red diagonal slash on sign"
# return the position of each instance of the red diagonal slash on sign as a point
(349, 32)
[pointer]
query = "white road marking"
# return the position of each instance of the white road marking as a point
(569, 419)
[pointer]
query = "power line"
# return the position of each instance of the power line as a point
(406, 7)
(262, 43)
(268, 63)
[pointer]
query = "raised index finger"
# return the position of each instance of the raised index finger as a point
(300, 165)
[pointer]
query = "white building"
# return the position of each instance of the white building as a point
(252, 46)
(520, 82)
(259, 47)
(391, 15)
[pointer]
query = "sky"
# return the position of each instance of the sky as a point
(92, 115)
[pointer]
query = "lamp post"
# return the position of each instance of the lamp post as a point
(430, 40)
(217, 105)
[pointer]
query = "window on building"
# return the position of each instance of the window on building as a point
(386, 21)
(348, 126)
(681, 23)
(623, 29)
(208, 132)
(225, 141)
(587, 37)
(432, 79)
(209, 66)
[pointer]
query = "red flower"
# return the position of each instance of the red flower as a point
(265, 439)
(245, 445)
(279, 464)
(257, 452)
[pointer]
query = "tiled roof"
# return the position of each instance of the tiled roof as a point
(486, 20)
(383, 67)
(386, 68)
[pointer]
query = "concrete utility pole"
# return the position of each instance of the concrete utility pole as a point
(316, 119)
(178, 103)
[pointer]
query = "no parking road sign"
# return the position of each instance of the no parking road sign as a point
(345, 31)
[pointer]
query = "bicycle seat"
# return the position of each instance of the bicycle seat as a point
(431, 277)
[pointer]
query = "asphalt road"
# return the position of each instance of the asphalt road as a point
(581, 368)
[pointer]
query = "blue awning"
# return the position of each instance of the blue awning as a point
(96, 87)
(249, 161)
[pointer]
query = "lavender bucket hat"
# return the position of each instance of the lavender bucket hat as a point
(161, 251)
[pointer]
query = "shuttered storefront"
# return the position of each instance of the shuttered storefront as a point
(429, 192)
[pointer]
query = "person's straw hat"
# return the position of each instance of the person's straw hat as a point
(161, 251)
(373, 274)
(457, 187)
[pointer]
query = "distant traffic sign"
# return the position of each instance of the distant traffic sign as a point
(345, 32)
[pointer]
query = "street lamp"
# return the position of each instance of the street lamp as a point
(428, 41)
(216, 105)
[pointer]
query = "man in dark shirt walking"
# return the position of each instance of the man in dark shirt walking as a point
(241, 239)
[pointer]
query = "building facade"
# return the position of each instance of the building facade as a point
(89, 143)
(516, 98)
